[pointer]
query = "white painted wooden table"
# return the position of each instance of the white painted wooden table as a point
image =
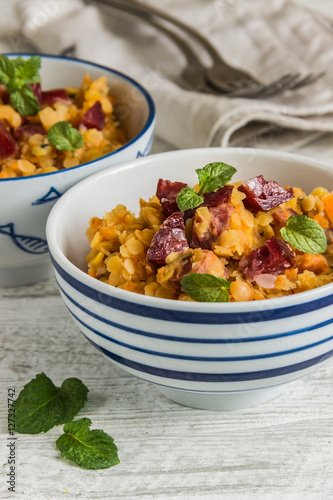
(282, 449)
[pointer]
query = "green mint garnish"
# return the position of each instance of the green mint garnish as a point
(214, 176)
(91, 449)
(304, 234)
(24, 101)
(27, 70)
(211, 178)
(65, 137)
(41, 405)
(15, 75)
(206, 287)
(7, 70)
(188, 198)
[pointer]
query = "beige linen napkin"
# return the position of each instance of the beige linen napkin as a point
(267, 38)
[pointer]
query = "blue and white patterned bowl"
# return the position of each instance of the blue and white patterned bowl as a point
(25, 202)
(205, 355)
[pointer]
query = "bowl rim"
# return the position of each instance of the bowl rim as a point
(138, 86)
(59, 259)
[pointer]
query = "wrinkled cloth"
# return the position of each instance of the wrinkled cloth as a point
(265, 38)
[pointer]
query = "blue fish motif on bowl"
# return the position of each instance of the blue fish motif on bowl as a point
(30, 244)
(52, 195)
(147, 149)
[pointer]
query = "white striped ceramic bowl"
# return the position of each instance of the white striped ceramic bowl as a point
(205, 355)
(25, 202)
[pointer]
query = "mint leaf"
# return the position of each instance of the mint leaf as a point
(15, 74)
(91, 449)
(27, 70)
(211, 178)
(24, 101)
(206, 287)
(188, 198)
(214, 176)
(304, 234)
(7, 70)
(41, 405)
(64, 137)
(18, 61)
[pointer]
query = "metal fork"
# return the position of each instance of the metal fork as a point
(220, 77)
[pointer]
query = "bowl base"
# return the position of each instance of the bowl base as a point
(221, 401)
(26, 275)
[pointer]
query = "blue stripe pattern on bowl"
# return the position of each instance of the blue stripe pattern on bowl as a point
(192, 317)
(158, 357)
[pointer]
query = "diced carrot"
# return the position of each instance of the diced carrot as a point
(315, 263)
(95, 222)
(322, 221)
(291, 274)
(109, 233)
(328, 204)
(4, 174)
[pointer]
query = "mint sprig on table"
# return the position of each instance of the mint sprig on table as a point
(91, 449)
(211, 178)
(304, 234)
(65, 137)
(41, 405)
(206, 287)
(16, 75)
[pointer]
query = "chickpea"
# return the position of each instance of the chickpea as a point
(241, 291)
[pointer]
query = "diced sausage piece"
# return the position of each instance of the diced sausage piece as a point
(222, 195)
(315, 263)
(169, 238)
(281, 216)
(264, 195)
(94, 117)
(273, 257)
(8, 145)
(26, 131)
(49, 97)
(4, 96)
(167, 193)
(207, 230)
(210, 264)
(185, 267)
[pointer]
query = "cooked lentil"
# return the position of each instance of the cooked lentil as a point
(35, 155)
(119, 242)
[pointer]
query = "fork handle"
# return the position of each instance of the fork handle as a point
(153, 11)
(187, 51)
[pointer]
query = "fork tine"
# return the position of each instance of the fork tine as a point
(293, 84)
(279, 86)
(259, 89)
(287, 82)
(310, 78)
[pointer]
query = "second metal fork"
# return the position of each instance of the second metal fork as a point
(218, 78)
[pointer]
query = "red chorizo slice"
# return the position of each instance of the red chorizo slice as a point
(169, 238)
(273, 257)
(8, 145)
(219, 218)
(94, 117)
(264, 195)
(167, 193)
